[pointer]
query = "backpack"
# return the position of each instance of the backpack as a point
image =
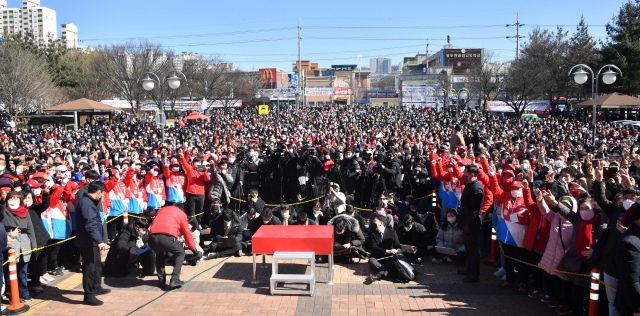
(404, 271)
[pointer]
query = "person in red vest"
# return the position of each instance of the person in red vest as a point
(169, 223)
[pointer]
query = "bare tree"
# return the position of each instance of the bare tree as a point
(386, 83)
(24, 79)
(521, 84)
(121, 65)
(485, 79)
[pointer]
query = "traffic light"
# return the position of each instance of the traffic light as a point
(448, 38)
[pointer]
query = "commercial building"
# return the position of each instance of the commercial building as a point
(39, 20)
(380, 65)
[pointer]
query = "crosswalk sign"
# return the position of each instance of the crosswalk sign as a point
(263, 109)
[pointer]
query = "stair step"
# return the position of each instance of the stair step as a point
(289, 255)
(293, 277)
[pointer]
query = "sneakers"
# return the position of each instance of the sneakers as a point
(239, 253)
(505, 284)
(546, 299)
(434, 260)
(213, 255)
(501, 272)
(554, 303)
(57, 272)
(522, 289)
(43, 281)
(564, 310)
(536, 294)
(27, 298)
(48, 278)
(504, 277)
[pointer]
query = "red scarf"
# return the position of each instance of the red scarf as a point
(20, 211)
(584, 236)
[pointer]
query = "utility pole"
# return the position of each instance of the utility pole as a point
(427, 58)
(517, 37)
(299, 65)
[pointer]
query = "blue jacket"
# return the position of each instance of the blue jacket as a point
(88, 222)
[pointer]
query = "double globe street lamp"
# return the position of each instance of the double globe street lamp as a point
(462, 94)
(149, 83)
(608, 77)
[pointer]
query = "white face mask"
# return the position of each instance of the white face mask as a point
(176, 169)
(316, 213)
(407, 228)
(525, 166)
(265, 222)
(559, 164)
(154, 173)
(452, 219)
(1, 168)
(516, 193)
(232, 160)
(18, 189)
(342, 232)
(627, 203)
(64, 181)
(348, 156)
(28, 204)
(37, 191)
(13, 204)
(285, 214)
(327, 157)
(382, 212)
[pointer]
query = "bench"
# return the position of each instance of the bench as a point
(297, 278)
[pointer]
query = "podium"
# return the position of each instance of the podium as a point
(293, 238)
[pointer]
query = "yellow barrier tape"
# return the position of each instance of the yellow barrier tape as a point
(554, 270)
(47, 246)
(424, 197)
(298, 203)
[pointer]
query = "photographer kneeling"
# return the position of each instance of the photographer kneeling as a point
(131, 240)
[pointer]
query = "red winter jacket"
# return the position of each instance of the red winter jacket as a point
(173, 221)
(538, 233)
(195, 180)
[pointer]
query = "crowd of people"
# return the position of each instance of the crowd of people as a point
(559, 199)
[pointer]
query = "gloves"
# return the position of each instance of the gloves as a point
(492, 171)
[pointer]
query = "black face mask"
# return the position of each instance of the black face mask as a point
(422, 211)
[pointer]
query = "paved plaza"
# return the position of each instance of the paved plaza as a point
(223, 287)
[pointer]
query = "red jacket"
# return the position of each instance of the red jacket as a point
(195, 180)
(173, 221)
(538, 233)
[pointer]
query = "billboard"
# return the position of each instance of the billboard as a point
(268, 75)
(283, 81)
(343, 91)
(462, 60)
(191, 105)
(318, 91)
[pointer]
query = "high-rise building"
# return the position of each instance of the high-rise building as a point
(39, 20)
(380, 65)
(69, 32)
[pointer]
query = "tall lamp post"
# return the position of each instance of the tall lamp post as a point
(461, 94)
(608, 77)
(149, 83)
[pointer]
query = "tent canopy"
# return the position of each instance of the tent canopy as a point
(196, 116)
(82, 105)
(611, 101)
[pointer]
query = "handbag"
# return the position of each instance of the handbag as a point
(569, 262)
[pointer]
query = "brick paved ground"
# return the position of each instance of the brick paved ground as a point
(223, 287)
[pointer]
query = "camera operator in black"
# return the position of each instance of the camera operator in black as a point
(235, 169)
(291, 185)
(317, 175)
(393, 172)
(350, 171)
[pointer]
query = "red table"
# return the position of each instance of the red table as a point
(271, 238)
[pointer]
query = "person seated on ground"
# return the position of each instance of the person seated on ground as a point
(319, 214)
(304, 220)
(226, 226)
(267, 218)
(286, 214)
(383, 244)
(246, 220)
(450, 236)
(379, 209)
(216, 210)
(253, 200)
(196, 255)
(132, 238)
(351, 211)
(424, 215)
(347, 238)
(414, 234)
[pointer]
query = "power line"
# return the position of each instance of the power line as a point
(197, 35)
(400, 39)
(325, 53)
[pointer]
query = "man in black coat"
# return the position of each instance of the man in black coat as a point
(383, 242)
(393, 173)
(469, 218)
(253, 200)
(267, 219)
(115, 265)
(628, 266)
(89, 234)
(226, 226)
(90, 176)
(414, 234)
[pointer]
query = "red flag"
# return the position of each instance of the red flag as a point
(181, 123)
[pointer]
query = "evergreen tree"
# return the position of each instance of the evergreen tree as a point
(623, 48)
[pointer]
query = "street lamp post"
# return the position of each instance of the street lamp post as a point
(608, 77)
(174, 83)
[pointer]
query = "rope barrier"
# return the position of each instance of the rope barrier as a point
(554, 270)
(298, 203)
(47, 246)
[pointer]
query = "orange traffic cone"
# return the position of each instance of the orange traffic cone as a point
(125, 217)
(16, 306)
